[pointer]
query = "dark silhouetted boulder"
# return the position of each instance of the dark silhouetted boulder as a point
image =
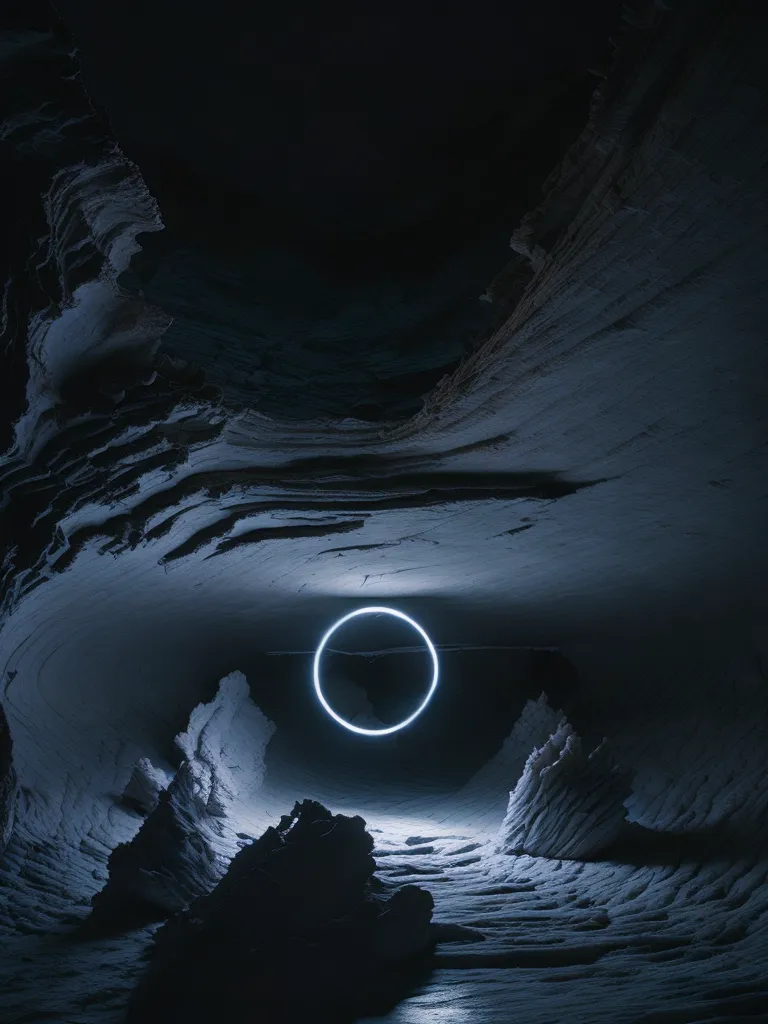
(298, 925)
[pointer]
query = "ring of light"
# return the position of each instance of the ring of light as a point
(373, 610)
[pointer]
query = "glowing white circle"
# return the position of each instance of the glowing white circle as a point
(373, 610)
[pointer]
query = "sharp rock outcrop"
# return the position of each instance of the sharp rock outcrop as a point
(487, 791)
(185, 844)
(298, 903)
(145, 785)
(567, 804)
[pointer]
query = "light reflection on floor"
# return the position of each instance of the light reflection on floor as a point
(424, 1009)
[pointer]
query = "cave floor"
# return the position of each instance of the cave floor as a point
(558, 940)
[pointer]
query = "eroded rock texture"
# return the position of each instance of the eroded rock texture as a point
(297, 925)
(185, 844)
(72, 206)
(487, 792)
(8, 787)
(145, 785)
(567, 804)
(634, 355)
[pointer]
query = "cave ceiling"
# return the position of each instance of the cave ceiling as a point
(252, 361)
(337, 184)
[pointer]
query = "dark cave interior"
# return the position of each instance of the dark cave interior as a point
(454, 312)
(328, 233)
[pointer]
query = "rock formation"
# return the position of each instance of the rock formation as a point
(143, 789)
(567, 804)
(485, 791)
(71, 208)
(296, 926)
(184, 845)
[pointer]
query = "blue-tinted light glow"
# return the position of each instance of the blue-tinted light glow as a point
(374, 610)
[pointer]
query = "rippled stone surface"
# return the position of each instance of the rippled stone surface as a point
(568, 803)
(8, 782)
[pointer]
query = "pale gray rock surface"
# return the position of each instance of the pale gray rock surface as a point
(145, 785)
(568, 803)
(184, 845)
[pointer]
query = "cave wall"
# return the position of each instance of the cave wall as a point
(646, 443)
(8, 785)
(591, 475)
(73, 206)
(143, 495)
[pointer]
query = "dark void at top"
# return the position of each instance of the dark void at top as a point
(339, 182)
